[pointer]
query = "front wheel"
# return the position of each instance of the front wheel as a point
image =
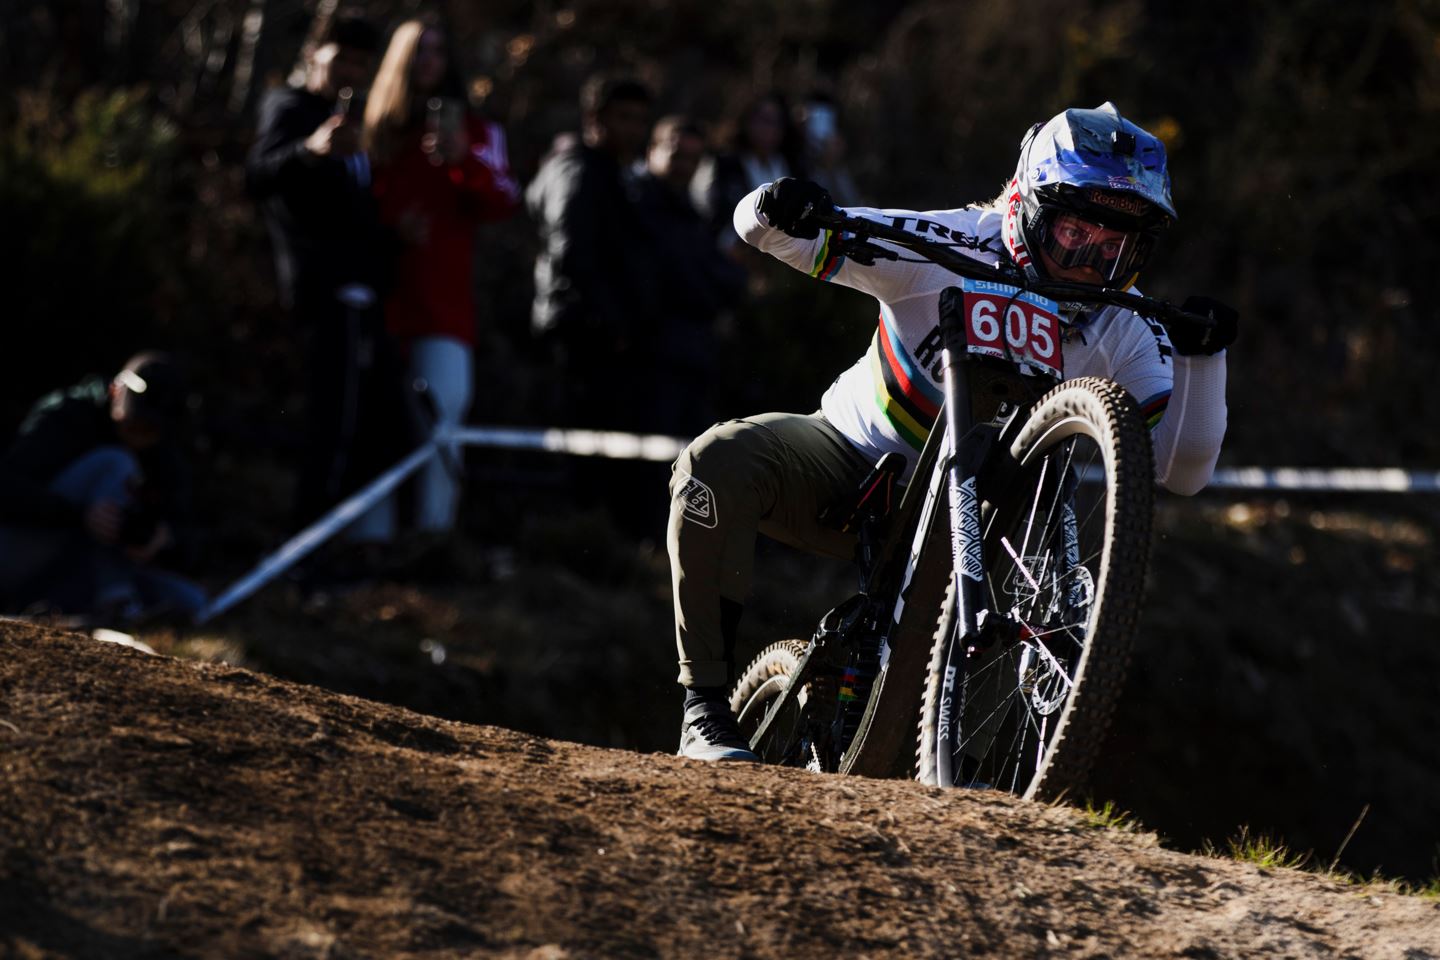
(1023, 708)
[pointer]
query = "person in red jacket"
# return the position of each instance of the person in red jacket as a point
(439, 171)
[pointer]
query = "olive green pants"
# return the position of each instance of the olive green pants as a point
(771, 474)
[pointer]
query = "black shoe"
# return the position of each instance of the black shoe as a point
(710, 732)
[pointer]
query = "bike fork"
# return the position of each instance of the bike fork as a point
(971, 445)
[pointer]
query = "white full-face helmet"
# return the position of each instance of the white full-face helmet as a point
(1085, 168)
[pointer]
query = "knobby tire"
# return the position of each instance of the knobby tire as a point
(1081, 697)
(759, 685)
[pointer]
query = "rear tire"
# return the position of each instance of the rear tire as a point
(1027, 711)
(760, 685)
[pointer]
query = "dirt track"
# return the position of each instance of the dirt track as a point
(154, 807)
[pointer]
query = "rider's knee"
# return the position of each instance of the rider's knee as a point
(736, 463)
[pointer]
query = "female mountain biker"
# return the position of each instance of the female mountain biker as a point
(1089, 199)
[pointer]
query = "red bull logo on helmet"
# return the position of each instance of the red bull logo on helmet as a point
(1128, 204)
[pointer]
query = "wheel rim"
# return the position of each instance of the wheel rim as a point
(753, 711)
(786, 745)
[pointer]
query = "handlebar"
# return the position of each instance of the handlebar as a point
(855, 243)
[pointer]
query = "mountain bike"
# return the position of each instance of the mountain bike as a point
(998, 597)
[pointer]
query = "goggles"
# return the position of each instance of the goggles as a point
(1071, 241)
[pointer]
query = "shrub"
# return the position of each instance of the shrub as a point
(89, 248)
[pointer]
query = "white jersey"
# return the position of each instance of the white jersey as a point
(889, 399)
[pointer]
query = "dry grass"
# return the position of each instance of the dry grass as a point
(1261, 849)
(1107, 816)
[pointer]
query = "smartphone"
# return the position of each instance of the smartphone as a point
(443, 116)
(350, 104)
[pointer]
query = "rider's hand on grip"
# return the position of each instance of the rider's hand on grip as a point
(1190, 338)
(786, 202)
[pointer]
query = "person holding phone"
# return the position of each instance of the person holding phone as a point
(439, 170)
(312, 182)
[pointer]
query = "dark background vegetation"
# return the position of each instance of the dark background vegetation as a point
(1287, 675)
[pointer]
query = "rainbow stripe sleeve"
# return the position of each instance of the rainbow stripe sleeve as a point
(827, 264)
(905, 394)
(1152, 410)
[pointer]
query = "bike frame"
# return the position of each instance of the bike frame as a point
(952, 476)
(957, 454)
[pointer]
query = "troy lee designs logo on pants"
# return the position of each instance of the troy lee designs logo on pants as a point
(698, 502)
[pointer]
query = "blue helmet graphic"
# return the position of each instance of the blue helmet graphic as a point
(1099, 167)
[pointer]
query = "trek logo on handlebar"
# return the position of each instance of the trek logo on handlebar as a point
(1013, 324)
(856, 237)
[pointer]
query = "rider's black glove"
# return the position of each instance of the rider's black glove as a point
(786, 201)
(1189, 338)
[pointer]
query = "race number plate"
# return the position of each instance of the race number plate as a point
(1006, 322)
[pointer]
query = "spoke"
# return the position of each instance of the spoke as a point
(1059, 485)
(1037, 634)
(1072, 573)
(1005, 542)
(998, 756)
(1040, 749)
(1067, 471)
(1002, 703)
(1006, 699)
(1058, 667)
(1051, 513)
(1089, 553)
(1093, 555)
(1034, 503)
(1030, 716)
(1017, 746)
(1002, 668)
(1016, 753)
(1101, 498)
(1098, 501)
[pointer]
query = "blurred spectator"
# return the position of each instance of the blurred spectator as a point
(696, 281)
(825, 150)
(595, 300)
(313, 183)
(439, 171)
(94, 493)
(595, 313)
(766, 145)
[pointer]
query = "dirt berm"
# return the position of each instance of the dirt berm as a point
(156, 807)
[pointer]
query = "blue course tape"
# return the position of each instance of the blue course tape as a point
(1337, 479)
(616, 445)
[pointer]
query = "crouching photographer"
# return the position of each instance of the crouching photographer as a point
(93, 497)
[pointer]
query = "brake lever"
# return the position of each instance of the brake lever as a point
(1160, 310)
(1167, 313)
(831, 219)
(865, 253)
(856, 247)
